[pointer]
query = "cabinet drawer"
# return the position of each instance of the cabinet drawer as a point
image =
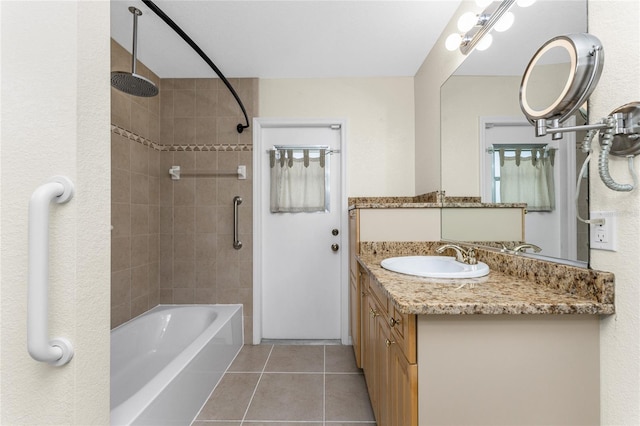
(403, 328)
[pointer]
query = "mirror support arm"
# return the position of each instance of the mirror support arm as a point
(542, 128)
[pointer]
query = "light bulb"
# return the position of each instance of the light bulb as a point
(485, 42)
(467, 21)
(453, 42)
(505, 22)
(525, 3)
(483, 3)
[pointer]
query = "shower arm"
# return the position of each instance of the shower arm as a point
(240, 127)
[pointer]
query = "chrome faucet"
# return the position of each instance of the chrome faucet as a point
(464, 256)
(523, 247)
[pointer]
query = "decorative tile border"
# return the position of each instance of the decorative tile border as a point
(178, 148)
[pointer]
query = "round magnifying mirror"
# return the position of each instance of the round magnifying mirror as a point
(561, 76)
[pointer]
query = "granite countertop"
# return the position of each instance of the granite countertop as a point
(425, 201)
(571, 291)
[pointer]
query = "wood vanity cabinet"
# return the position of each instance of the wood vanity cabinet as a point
(384, 343)
(388, 345)
(354, 285)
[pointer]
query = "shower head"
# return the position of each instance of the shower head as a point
(130, 82)
(133, 84)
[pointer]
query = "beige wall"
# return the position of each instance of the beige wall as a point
(437, 67)
(615, 23)
(380, 125)
(55, 106)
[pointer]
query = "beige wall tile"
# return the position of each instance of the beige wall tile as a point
(206, 131)
(184, 295)
(139, 219)
(184, 191)
(139, 281)
(184, 103)
(120, 287)
(206, 221)
(139, 188)
(139, 250)
(171, 239)
(206, 247)
(206, 191)
(120, 156)
(120, 220)
(166, 295)
(139, 306)
(139, 158)
(120, 253)
(120, 314)
(120, 186)
(184, 219)
(184, 84)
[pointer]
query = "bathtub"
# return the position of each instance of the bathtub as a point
(166, 362)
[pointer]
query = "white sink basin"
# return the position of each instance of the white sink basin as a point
(434, 267)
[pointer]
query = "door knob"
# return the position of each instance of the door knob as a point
(335, 247)
(335, 232)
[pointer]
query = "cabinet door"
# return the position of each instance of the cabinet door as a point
(384, 391)
(403, 389)
(354, 314)
(355, 304)
(369, 315)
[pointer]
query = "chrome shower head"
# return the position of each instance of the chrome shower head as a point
(133, 84)
(130, 82)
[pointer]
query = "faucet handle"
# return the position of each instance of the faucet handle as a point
(471, 256)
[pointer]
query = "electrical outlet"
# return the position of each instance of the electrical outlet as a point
(603, 236)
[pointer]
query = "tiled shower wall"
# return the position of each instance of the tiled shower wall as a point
(190, 221)
(135, 206)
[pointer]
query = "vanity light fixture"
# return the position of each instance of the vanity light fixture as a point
(476, 27)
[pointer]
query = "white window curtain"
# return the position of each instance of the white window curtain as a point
(298, 181)
(528, 179)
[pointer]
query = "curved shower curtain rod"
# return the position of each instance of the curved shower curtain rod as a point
(240, 127)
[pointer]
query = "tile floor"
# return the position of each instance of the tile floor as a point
(290, 385)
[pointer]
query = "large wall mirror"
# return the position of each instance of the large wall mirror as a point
(483, 130)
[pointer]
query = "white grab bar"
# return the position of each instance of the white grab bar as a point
(58, 351)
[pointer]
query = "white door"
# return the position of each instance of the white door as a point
(541, 228)
(302, 253)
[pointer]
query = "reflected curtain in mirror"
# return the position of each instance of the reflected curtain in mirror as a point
(525, 175)
(299, 179)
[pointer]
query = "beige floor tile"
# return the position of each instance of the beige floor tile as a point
(278, 424)
(340, 359)
(297, 359)
(231, 397)
(288, 397)
(252, 358)
(205, 423)
(346, 398)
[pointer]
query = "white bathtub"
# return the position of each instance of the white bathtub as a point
(166, 362)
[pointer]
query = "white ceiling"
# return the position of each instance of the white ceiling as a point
(285, 39)
(327, 38)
